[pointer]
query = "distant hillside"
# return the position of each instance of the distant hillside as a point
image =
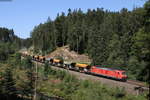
(9, 43)
(7, 35)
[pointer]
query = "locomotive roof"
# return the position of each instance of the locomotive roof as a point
(113, 69)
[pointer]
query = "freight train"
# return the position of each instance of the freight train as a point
(84, 68)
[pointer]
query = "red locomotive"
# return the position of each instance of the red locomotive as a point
(109, 72)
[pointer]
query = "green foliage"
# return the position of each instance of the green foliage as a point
(9, 43)
(8, 83)
(26, 42)
(17, 59)
(5, 50)
(47, 40)
(141, 47)
(142, 52)
(46, 69)
(27, 63)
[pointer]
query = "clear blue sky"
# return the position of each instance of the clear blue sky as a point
(23, 15)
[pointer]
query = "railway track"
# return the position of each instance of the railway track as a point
(141, 86)
(130, 86)
(137, 83)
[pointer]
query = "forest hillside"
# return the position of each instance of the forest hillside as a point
(111, 39)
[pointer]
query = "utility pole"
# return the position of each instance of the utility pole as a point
(35, 82)
(77, 45)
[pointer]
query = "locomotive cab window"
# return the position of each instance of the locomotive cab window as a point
(123, 73)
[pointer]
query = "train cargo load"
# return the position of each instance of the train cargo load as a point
(36, 57)
(80, 67)
(41, 59)
(56, 62)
